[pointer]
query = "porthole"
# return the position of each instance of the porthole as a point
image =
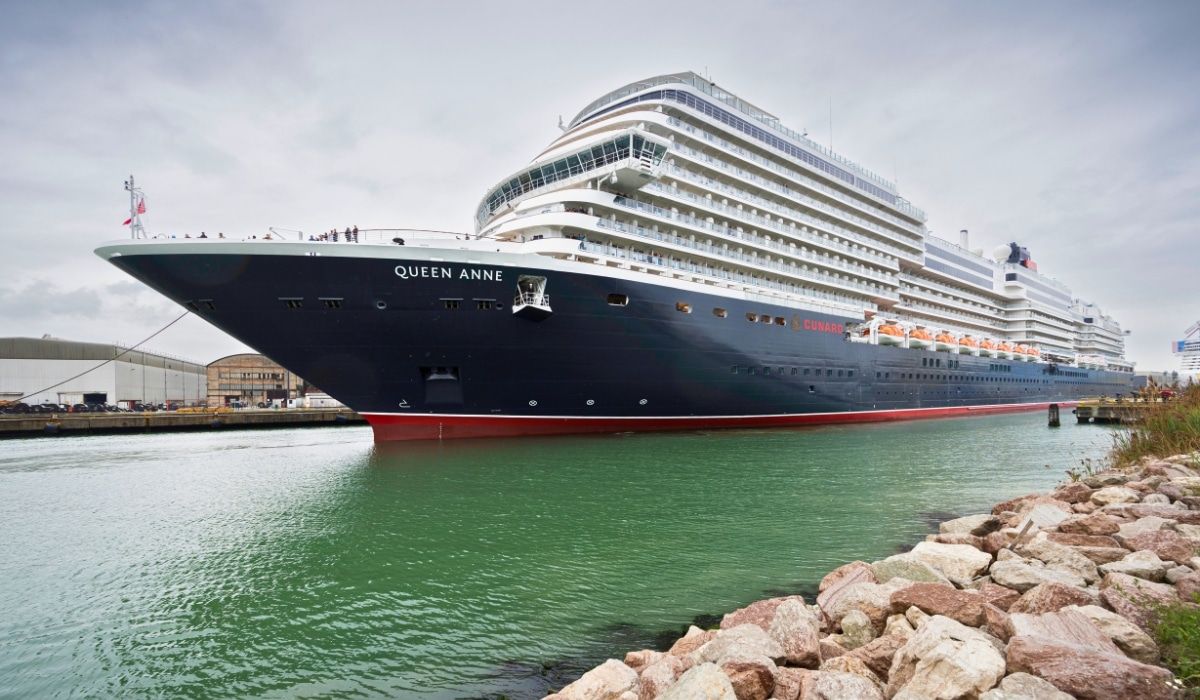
(643, 402)
(591, 402)
(381, 304)
(683, 307)
(532, 402)
(720, 313)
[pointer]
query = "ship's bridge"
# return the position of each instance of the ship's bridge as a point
(630, 160)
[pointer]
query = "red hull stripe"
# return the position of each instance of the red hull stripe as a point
(433, 426)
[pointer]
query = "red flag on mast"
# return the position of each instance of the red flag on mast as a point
(141, 209)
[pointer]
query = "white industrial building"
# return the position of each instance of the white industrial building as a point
(29, 365)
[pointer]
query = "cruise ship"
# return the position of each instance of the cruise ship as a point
(676, 258)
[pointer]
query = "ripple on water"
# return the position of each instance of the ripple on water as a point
(310, 562)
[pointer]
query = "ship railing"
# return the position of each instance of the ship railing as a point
(816, 299)
(757, 220)
(531, 298)
(732, 233)
(907, 207)
(726, 254)
(788, 192)
(724, 188)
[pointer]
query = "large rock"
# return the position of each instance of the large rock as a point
(1115, 494)
(1093, 524)
(608, 681)
(851, 664)
(638, 660)
(943, 660)
(1022, 686)
(1191, 532)
(834, 685)
(1050, 597)
(1011, 505)
(957, 538)
(1073, 493)
(1065, 625)
(1188, 588)
(1167, 544)
(797, 630)
(693, 640)
(1061, 558)
(898, 625)
(957, 562)
(788, 682)
(936, 599)
(1044, 514)
(1087, 672)
(1151, 523)
(1105, 478)
(702, 682)
(906, 566)
(759, 613)
(978, 525)
(845, 575)
(878, 654)
(1021, 575)
(747, 641)
(1103, 555)
(1135, 599)
(658, 676)
(1000, 596)
(1143, 564)
(998, 540)
(857, 629)
(1074, 539)
(752, 679)
(1128, 637)
(871, 598)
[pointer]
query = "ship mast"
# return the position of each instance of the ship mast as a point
(137, 200)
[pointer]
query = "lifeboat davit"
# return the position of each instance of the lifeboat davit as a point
(1004, 350)
(891, 334)
(1021, 352)
(944, 342)
(919, 338)
(967, 345)
(986, 348)
(1034, 354)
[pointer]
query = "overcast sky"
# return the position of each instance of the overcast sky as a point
(1073, 128)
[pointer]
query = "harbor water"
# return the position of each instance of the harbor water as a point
(314, 563)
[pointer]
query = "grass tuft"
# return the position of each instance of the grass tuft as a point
(1167, 428)
(1177, 632)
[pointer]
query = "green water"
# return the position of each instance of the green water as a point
(310, 562)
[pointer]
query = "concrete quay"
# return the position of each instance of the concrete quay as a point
(84, 423)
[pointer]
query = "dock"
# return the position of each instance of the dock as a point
(28, 425)
(1114, 410)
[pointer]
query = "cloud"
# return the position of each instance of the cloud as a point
(1069, 126)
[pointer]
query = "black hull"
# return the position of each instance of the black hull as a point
(418, 365)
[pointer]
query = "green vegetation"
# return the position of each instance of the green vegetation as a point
(1168, 428)
(1177, 632)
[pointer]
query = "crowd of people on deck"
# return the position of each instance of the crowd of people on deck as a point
(350, 235)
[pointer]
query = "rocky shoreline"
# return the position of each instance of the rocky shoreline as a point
(1051, 596)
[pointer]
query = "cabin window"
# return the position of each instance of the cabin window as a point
(794, 371)
(812, 389)
(683, 307)
(720, 313)
(618, 300)
(733, 369)
(849, 373)
(806, 371)
(839, 372)
(780, 321)
(751, 316)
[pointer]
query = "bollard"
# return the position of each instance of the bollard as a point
(1054, 415)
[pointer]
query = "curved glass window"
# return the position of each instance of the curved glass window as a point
(626, 146)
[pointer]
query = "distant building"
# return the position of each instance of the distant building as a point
(35, 368)
(250, 379)
(1188, 350)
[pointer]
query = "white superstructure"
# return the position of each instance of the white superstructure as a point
(676, 178)
(1188, 350)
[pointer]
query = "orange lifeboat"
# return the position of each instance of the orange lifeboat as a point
(1032, 354)
(891, 334)
(967, 345)
(944, 342)
(1004, 350)
(919, 338)
(986, 348)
